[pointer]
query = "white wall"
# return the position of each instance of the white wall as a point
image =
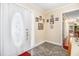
(55, 35)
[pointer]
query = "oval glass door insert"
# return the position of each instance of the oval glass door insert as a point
(17, 29)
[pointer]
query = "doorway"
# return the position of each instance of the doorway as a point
(70, 26)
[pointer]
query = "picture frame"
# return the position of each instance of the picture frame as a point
(56, 19)
(40, 26)
(47, 20)
(37, 19)
(52, 19)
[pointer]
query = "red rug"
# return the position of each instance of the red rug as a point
(65, 47)
(25, 54)
(65, 44)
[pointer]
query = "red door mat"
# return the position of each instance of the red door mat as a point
(25, 54)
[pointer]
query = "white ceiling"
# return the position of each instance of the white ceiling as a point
(49, 6)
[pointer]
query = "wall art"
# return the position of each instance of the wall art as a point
(37, 19)
(56, 19)
(52, 20)
(47, 20)
(40, 26)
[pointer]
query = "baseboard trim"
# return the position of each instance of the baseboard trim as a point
(38, 44)
(35, 45)
(54, 43)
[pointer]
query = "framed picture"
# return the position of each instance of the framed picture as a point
(47, 20)
(56, 19)
(52, 19)
(37, 19)
(40, 17)
(40, 26)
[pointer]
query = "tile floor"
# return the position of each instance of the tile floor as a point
(48, 49)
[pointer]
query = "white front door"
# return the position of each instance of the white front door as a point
(16, 29)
